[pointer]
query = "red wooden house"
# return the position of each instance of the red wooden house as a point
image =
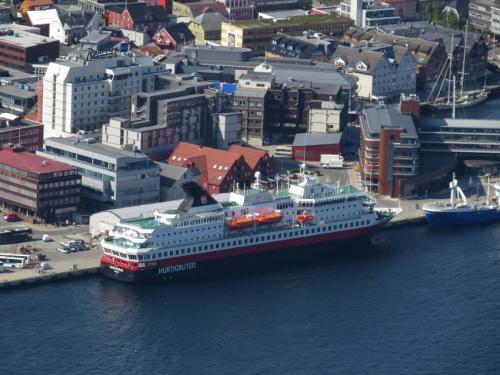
(220, 170)
(173, 37)
(138, 17)
(258, 160)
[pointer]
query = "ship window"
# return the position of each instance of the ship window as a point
(234, 243)
(274, 236)
(262, 238)
(171, 252)
(199, 248)
(141, 257)
(239, 242)
(133, 257)
(211, 247)
(279, 235)
(301, 232)
(284, 235)
(216, 245)
(182, 251)
(206, 247)
(154, 256)
(357, 223)
(223, 245)
(307, 231)
(352, 224)
(245, 241)
(312, 230)
(268, 238)
(251, 240)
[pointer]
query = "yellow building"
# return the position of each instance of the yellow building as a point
(256, 34)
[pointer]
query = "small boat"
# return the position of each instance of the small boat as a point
(459, 212)
(241, 222)
(303, 217)
(272, 218)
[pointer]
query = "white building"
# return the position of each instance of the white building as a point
(228, 129)
(381, 75)
(110, 176)
(325, 117)
(368, 13)
(80, 95)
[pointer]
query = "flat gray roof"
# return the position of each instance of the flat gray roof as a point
(17, 92)
(97, 148)
(461, 123)
(377, 117)
(312, 139)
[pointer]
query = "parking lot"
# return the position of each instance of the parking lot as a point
(57, 262)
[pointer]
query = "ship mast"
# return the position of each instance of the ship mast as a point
(463, 58)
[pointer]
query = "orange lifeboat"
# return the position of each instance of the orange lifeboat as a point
(240, 223)
(273, 218)
(305, 217)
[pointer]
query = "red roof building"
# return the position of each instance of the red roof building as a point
(220, 170)
(173, 37)
(258, 160)
(138, 17)
(38, 188)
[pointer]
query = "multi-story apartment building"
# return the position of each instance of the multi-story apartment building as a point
(381, 75)
(389, 149)
(80, 95)
(20, 48)
(495, 19)
(110, 176)
(26, 134)
(240, 9)
(369, 14)
(480, 14)
(36, 187)
(474, 48)
(430, 56)
(256, 34)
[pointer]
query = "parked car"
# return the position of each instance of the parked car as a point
(63, 249)
(11, 216)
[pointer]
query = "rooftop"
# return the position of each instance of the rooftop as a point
(436, 123)
(17, 92)
(22, 37)
(312, 139)
(298, 20)
(376, 117)
(32, 163)
(98, 148)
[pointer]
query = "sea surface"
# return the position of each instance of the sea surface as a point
(418, 300)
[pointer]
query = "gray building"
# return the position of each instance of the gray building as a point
(171, 179)
(110, 176)
(462, 136)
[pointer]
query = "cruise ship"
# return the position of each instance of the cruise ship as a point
(202, 234)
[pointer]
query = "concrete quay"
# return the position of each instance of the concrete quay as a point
(61, 266)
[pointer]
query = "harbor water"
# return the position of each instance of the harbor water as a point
(418, 300)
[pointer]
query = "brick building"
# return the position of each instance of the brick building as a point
(389, 149)
(258, 160)
(13, 131)
(19, 49)
(37, 187)
(310, 146)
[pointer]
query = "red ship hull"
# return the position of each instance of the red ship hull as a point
(205, 263)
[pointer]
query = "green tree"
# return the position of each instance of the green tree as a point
(305, 4)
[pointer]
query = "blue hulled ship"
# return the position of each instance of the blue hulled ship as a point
(459, 212)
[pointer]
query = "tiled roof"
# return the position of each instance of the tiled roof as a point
(214, 164)
(252, 155)
(32, 163)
